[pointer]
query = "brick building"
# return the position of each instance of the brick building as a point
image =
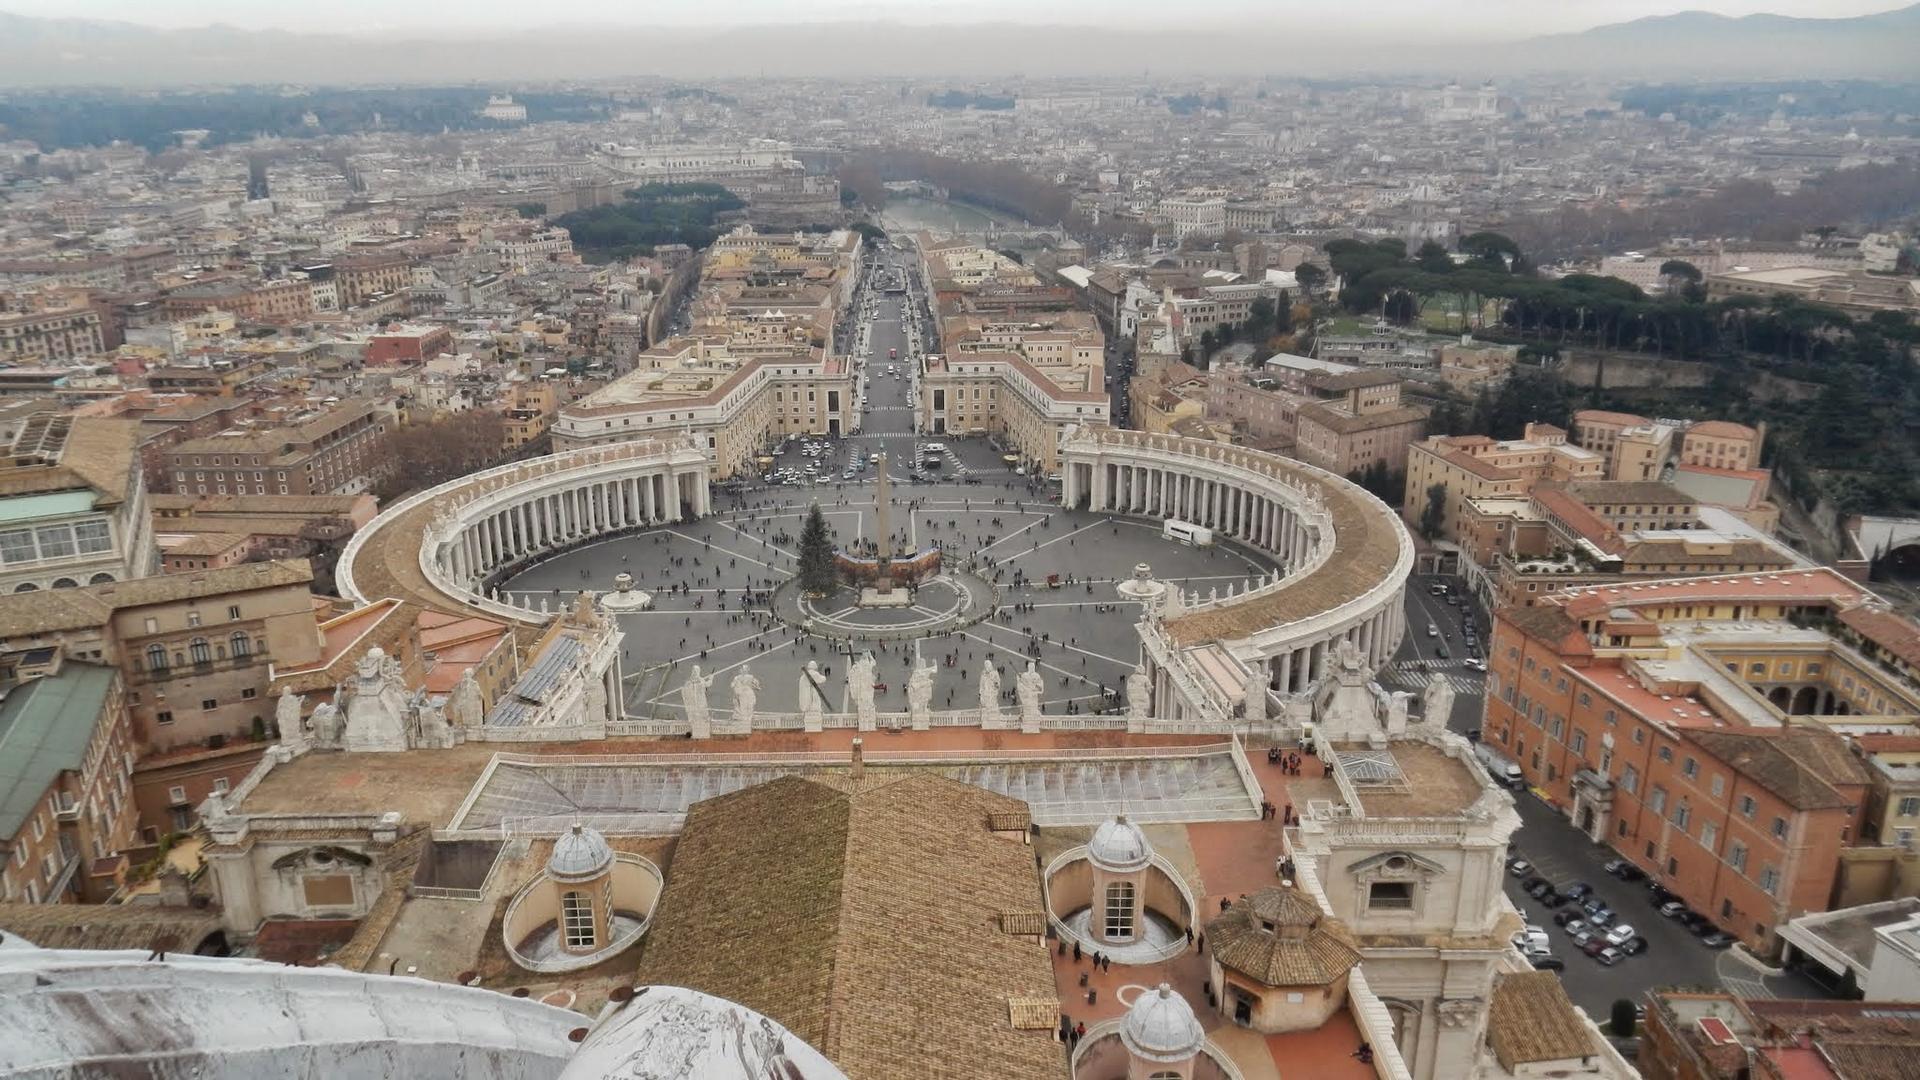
(324, 450)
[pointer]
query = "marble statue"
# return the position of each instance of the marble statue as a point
(989, 695)
(1256, 693)
(861, 675)
(432, 713)
(1397, 711)
(376, 704)
(693, 698)
(1437, 706)
(1347, 655)
(746, 695)
(326, 724)
(1027, 688)
(596, 694)
(812, 697)
(464, 706)
(920, 696)
(1139, 695)
(286, 716)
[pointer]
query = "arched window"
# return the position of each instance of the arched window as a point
(65, 583)
(156, 657)
(239, 644)
(197, 648)
(26, 586)
(576, 914)
(1120, 910)
(100, 579)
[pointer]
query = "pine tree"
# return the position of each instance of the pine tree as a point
(818, 573)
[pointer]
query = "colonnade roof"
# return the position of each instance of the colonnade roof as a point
(1367, 537)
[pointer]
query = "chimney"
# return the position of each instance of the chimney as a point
(859, 763)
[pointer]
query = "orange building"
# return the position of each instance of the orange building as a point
(1690, 725)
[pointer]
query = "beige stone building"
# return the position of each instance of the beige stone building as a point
(75, 503)
(1001, 393)
(66, 809)
(308, 450)
(1478, 467)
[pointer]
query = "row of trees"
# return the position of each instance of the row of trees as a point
(429, 452)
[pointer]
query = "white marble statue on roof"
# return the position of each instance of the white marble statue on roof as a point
(1139, 696)
(1437, 706)
(376, 705)
(431, 715)
(286, 717)
(746, 696)
(812, 697)
(464, 706)
(861, 675)
(1397, 711)
(1027, 688)
(989, 695)
(693, 698)
(326, 723)
(920, 696)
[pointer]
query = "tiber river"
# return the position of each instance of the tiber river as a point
(914, 212)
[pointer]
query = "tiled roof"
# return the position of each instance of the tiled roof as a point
(49, 610)
(1303, 948)
(1531, 1020)
(109, 926)
(1547, 625)
(1768, 760)
(867, 920)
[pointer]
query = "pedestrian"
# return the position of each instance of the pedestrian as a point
(1076, 952)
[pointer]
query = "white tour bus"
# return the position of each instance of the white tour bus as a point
(1186, 533)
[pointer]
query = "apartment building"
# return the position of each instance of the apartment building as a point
(1356, 421)
(1474, 467)
(359, 279)
(732, 407)
(325, 449)
(1003, 394)
(75, 502)
(1715, 461)
(67, 810)
(41, 335)
(278, 301)
(195, 653)
(1697, 727)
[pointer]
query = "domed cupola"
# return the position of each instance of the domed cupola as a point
(580, 854)
(1160, 1027)
(1119, 847)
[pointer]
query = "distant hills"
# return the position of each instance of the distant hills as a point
(82, 52)
(1699, 43)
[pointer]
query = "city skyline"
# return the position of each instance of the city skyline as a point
(1494, 19)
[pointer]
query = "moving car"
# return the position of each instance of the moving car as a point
(1519, 867)
(1475, 663)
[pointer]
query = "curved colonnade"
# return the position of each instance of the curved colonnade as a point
(1346, 553)
(450, 545)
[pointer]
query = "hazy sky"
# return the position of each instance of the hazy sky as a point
(1489, 18)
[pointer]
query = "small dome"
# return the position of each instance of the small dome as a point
(1119, 846)
(1160, 1026)
(579, 854)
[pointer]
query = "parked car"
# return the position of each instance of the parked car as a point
(1519, 867)
(1634, 946)
(1562, 918)
(1609, 956)
(1579, 890)
(1719, 939)
(1548, 963)
(1551, 899)
(1533, 884)
(1692, 920)
(1583, 936)
(1574, 924)
(1673, 909)
(1703, 928)
(1594, 944)
(1612, 866)
(1620, 933)
(1474, 662)
(1531, 940)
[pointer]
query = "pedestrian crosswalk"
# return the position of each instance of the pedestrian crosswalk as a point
(1415, 674)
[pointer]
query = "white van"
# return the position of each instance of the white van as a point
(1498, 767)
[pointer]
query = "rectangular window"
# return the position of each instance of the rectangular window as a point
(1779, 828)
(164, 716)
(1737, 857)
(1709, 835)
(92, 537)
(176, 794)
(1909, 806)
(1747, 807)
(16, 546)
(1719, 785)
(1666, 753)
(1391, 895)
(1630, 780)
(1658, 800)
(1770, 880)
(1690, 768)
(1579, 740)
(576, 913)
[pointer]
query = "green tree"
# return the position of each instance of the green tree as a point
(1434, 517)
(818, 574)
(1623, 1018)
(1433, 258)
(1309, 276)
